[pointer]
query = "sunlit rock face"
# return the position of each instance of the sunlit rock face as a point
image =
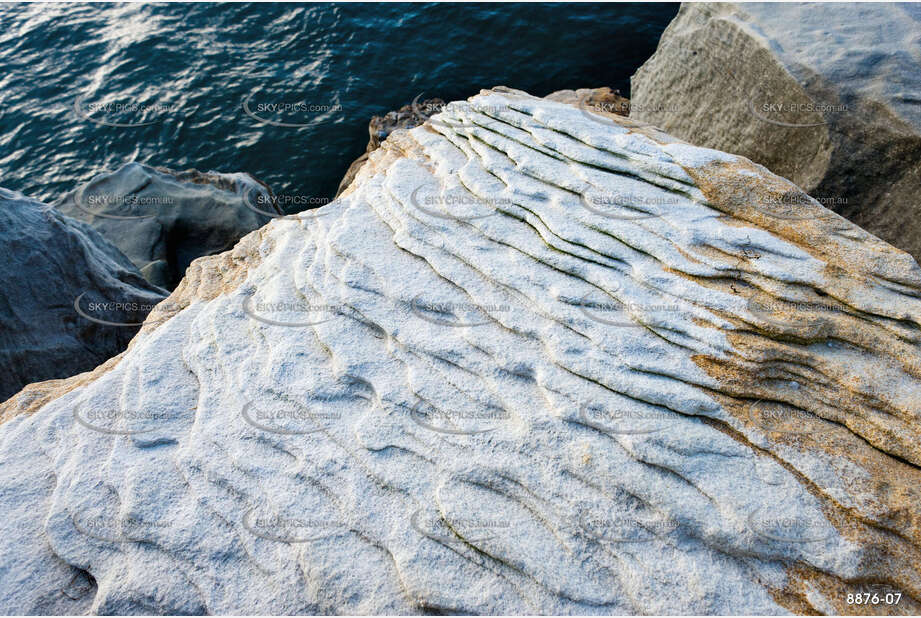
(163, 219)
(535, 359)
(822, 94)
(59, 285)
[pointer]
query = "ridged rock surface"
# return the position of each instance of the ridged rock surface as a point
(533, 360)
(163, 219)
(49, 262)
(417, 112)
(823, 94)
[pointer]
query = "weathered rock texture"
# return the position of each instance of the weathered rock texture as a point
(163, 219)
(533, 360)
(49, 262)
(597, 100)
(826, 95)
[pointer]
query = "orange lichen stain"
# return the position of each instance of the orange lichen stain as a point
(865, 598)
(884, 511)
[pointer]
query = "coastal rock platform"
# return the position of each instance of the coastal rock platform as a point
(532, 360)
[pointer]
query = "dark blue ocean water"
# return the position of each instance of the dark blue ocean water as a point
(179, 74)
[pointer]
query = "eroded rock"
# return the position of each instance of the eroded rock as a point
(595, 100)
(534, 360)
(163, 219)
(822, 94)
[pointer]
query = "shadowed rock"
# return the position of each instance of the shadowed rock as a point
(51, 261)
(163, 219)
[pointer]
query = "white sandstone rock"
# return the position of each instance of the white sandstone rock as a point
(476, 384)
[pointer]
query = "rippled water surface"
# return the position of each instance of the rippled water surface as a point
(85, 88)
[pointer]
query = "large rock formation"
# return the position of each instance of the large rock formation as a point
(823, 94)
(163, 219)
(70, 299)
(531, 361)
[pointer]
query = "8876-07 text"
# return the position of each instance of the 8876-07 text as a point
(874, 598)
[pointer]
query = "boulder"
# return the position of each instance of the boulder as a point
(163, 219)
(822, 94)
(70, 299)
(534, 361)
